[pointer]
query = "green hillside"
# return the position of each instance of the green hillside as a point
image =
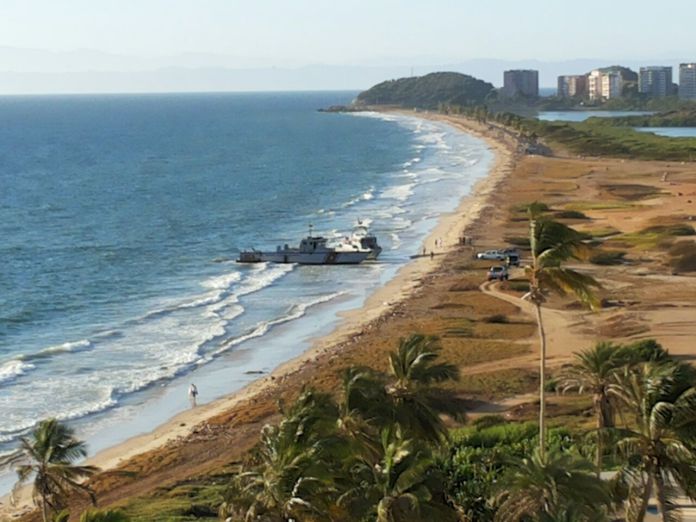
(429, 91)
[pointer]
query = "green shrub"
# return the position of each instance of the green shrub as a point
(518, 286)
(551, 385)
(683, 257)
(538, 206)
(647, 350)
(570, 214)
(608, 257)
(670, 230)
(479, 456)
(520, 241)
(489, 420)
(497, 319)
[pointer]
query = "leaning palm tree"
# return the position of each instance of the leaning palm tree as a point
(49, 454)
(659, 447)
(552, 244)
(593, 372)
(402, 484)
(418, 403)
(560, 487)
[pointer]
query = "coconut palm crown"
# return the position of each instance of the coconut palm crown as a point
(560, 487)
(659, 446)
(418, 402)
(593, 371)
(49, 455)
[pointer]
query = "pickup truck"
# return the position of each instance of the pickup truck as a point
(492, 255)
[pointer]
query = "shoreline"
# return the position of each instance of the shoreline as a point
(449, 228)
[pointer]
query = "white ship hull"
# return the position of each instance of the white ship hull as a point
(314, 258)
(315, 250)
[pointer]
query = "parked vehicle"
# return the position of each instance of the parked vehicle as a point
(491, 255)
(512, 259)
(498, 273)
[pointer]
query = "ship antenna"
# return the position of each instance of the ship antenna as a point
(310, 229)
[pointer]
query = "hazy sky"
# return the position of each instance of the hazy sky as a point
(361, 32)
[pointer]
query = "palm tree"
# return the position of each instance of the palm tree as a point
(659, 446)
(560, 487)
(49, 454)
(418, 404)
(401, 484)
(365, 408)
(552, 244)
(291, 475)
(593, 372)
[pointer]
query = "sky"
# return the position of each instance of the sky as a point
(300, 32)
(137, 35)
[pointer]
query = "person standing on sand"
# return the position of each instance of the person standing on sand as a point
(193, 393)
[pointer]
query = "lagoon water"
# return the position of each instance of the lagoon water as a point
(121, 217)
(671, 132)
(576, 116)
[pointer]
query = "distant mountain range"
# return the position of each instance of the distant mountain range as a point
(31, 71)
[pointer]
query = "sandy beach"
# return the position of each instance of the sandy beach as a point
(446, 296)
(447, 233)
(449, 229)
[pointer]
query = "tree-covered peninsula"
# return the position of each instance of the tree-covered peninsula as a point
(428, 92)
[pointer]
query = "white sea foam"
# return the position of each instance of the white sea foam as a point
(223, 281)
(396, 241)
(220, 286)
(258, 278)
(365, 196)
(69, 347)
(398, 192)
(10, 370)
(295, 312)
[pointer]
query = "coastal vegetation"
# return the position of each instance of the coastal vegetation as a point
(362, 457)
(593, 137)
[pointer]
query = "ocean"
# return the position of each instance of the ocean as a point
(121, 217)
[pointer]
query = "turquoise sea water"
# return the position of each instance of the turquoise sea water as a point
(121, 217)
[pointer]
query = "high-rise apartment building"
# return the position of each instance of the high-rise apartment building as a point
(604, 85)
(687, 81)
(524, 82)
(572, 86)
(655, 81)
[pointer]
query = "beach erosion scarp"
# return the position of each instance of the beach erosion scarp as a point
(263, 390)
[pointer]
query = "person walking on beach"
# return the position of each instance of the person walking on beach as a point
(193, 393)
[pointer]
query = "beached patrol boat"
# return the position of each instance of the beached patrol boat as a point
(363, 237)
(313, 250)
